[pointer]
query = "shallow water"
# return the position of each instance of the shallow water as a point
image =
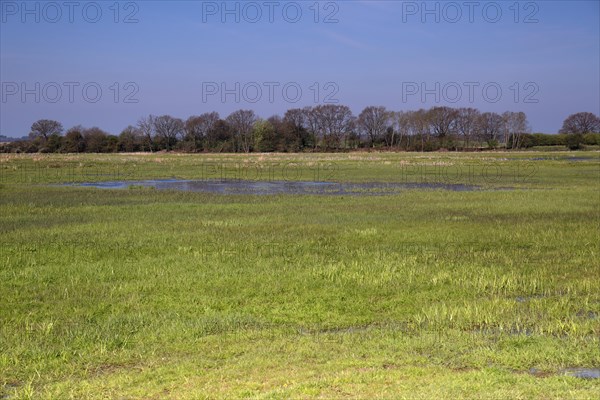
(559, 158)
(583, 373)
(278, 187)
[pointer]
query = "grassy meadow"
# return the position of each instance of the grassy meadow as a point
(150, 294)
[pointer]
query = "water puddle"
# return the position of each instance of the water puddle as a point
(525, 299)
(558, 158)
(278, 187)
(583, 373)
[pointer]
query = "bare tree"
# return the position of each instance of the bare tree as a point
(297, 119)
(489, 126)
(242, 122)
(313, 121)
(198, 127)
(130, 139)
(442, 120)
(219, 137)
(328, 126)
(45, 128)
(169, 129)
(335, 122)
(514, 126)
(520, 126)
(374, 121)
(583, 122)
(403, 126)
(466, 123)
(296, 116)
(147, 128)
(420, 125)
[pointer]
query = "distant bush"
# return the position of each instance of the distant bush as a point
(548, 148)
(591, 147)
(591, 139)
(542, 139)
(575, 141)
(560, 141)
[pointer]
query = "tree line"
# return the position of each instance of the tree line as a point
(327, 127)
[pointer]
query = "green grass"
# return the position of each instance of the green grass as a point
(424, 294)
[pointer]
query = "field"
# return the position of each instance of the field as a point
(139, 293)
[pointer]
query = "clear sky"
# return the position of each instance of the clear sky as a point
(184, 58)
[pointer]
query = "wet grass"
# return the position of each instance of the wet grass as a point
(237, 186)
(147, 293)
(520, 169)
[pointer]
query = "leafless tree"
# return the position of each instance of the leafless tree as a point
(45, 128)
(297, 119)
(489, 126)
(169, 129)
(335, 122)
(403, 126)
(374, 121)
(242, 122)
(198, 127)
(466, 123)
(130, 139)
(514, 126)
(420, 125)
(442, 120)
(147, 128)
(583, 122)
(313, 126)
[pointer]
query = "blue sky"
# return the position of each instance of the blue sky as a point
(541, 57)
